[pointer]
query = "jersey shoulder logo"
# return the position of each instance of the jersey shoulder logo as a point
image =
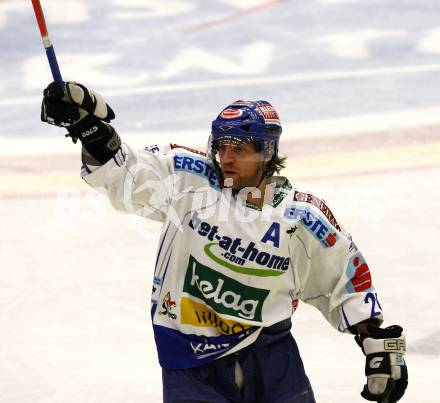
(154, 148)
(198, 166)
(309, 198)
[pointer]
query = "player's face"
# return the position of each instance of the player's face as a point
(240, 164)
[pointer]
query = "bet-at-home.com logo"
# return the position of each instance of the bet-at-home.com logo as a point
(235, 253)
(223, 294)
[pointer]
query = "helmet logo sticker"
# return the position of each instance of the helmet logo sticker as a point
(231, 113)
(269, 114)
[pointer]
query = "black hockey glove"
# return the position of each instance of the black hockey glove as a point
(385, 368)
(85, 115)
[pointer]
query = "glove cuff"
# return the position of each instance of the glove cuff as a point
(98, 138)
(105, 149)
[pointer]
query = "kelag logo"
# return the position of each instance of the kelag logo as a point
(235, 254)
(317, 226)
(223, 294)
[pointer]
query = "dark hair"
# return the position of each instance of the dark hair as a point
(276, 164)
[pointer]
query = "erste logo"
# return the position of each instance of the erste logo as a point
(359, 274)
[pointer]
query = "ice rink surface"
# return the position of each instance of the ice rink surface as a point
(356, 84)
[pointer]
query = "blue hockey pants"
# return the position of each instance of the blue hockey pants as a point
(272, 373)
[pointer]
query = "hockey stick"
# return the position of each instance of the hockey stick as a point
(50, 52)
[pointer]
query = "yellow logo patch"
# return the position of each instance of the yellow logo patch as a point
(196, 314)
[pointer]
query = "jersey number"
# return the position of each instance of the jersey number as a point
(374, 300)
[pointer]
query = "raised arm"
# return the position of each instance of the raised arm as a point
(136, 182)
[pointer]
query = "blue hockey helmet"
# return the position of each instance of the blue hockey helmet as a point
(255, 122)
(248, 121)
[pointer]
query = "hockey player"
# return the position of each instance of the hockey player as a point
(239, 247)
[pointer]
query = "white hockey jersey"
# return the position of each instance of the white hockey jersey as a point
(224, 268)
